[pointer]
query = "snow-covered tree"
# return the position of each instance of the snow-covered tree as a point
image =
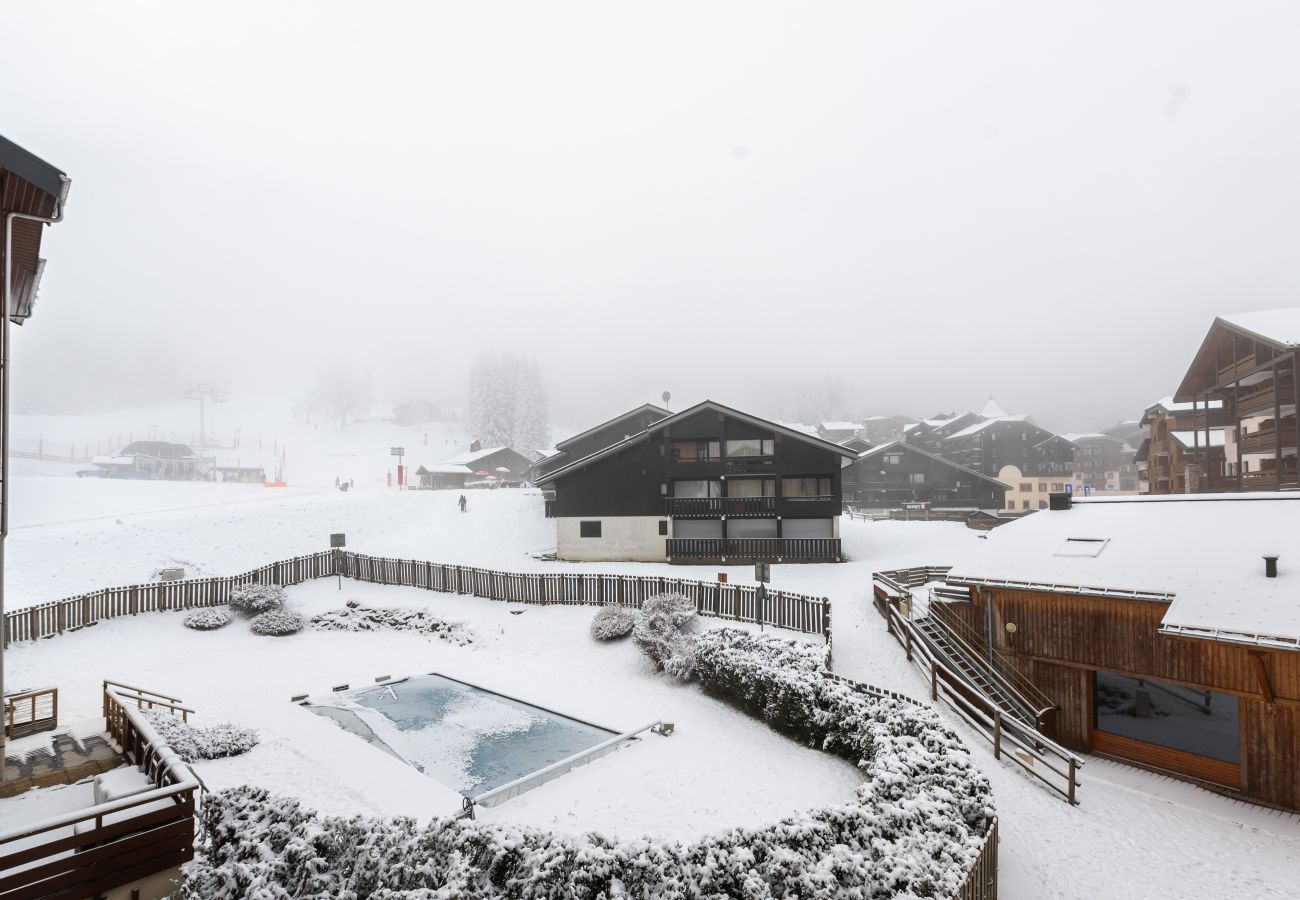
(507, 401)
(340, 393)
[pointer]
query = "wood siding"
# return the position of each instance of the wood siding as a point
(1060, 640)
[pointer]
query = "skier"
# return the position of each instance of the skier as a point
(463, 503)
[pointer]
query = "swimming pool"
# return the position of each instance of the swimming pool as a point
(465, 737)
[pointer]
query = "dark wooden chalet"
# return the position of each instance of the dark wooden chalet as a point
(619, 428)
(899, 475)
(706, 484)
(443, 477)
(1166, 630)
(989, 446)
(495, 466)
(1176, 457)
(1248, 363)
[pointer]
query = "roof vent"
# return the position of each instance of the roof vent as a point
(1270, 567)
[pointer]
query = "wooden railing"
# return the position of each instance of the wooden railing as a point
(91, 851)
(28, 712)
(720, 506)
(743, 549)
(982, 881)
(782, 609)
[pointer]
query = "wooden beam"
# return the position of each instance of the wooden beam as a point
(1261, 672)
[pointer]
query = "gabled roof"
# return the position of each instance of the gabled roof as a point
(31, 168)
(897, 446)
(1276, 328)
(644, 408)
(685, 414)
(1199, 552)
(471, 456)
(991, 410)
(445, 469)
(980, 426)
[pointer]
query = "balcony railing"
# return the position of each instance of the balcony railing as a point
(713, 507)
(1265, 439)
(742, 465)
(748, 549)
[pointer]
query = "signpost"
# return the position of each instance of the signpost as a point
(337, 543)
(762, 574)
(399, 452)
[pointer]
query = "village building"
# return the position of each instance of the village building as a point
(1247, 364)
(1103, 464)
(708, 484)
(1176, 457)
(491, 467)
(443, 477)
(599, 437)
(154, 460)
(838, 432)
(900, 476)
(883, 429)
(1164, 629)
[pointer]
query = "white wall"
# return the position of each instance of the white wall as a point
(634, 538)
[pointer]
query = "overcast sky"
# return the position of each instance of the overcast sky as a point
(925, 203)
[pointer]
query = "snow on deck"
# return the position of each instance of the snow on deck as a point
(1203, 550)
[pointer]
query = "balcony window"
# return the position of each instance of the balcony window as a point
(697, 489)
(751, 487)
(805, 488)
(696, 451)
(750, 447)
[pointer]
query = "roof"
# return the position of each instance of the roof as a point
(1278, 326)
(980, 426)
(1090, 436)
(32, 168)
(645, 407)
(445, 469)
(902, 445)
(799, 426)
(1218, 438)
(1200, 552)
(470, 456)
(158, 450)
(841, 426)
(685, 414)
(991, 410)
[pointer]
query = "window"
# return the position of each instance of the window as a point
(751, 447)
(1026, 488)
(589, 529)
(805, 488)
(1057, 486)
(916, 478)
(663, 527)
(1024, 504)
(1042, 487)
(696, 451)
(1081, 547)
(1011, 504)
(751, 487)
(697, 489)
(893, 459)
(1181, 718)
(1042, 504)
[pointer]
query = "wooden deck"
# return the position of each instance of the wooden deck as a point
(67, 759)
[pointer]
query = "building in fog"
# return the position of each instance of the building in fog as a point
(1178, 458)
(708, 484)
(1103, 464)
(900, 476)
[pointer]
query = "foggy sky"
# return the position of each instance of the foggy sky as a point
(925, 203)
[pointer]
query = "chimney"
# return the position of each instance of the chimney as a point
(1058, 500)
(1270, 567)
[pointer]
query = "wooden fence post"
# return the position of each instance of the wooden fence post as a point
(997, 733)
(934, 680)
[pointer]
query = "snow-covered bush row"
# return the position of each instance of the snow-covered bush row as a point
(363, 618)
(193, 744)
(277, 622)
(252, 599)
(613, 622)
(913, 828)
(665, 631)
(206, 619)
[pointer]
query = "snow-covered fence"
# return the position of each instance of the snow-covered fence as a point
(740, 603)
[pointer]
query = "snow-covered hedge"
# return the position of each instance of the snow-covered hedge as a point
(193, 744)
(277, 622)
(665, 632)
(613, 622)
(206, 619)
(912, 829)
(252, 599)
(363, 618)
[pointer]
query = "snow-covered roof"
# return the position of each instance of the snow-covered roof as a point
(980, 426)
(448, 469)
(1218, 437)
(841, 426)
(800, 427)
(472, 456)
(649, 408)
(901, 446)
(991, 410)
(1281, 326)
(1201, 552)
(1089, 436)
(1168, 405)
(113, 460)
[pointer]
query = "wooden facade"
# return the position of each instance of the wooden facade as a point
(899, 476)
(1059, 641)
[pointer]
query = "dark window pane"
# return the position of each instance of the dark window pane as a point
(1170, 715)
(589, 529)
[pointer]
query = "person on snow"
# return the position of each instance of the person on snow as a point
(463, 503)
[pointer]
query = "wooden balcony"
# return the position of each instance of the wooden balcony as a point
(743, 550)
(716, 507)
(1265, 440)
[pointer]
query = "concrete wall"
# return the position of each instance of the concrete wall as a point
(634, 538)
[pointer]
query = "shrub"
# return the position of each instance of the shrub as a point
(277, 622)
(361, 618)
(254, 599)
(912, 829)
(612, 623)
(193, 744)
(664, 631)
(206, 619)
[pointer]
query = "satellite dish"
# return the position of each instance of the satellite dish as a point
(667, 396)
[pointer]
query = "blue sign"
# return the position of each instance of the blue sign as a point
(1069, 487)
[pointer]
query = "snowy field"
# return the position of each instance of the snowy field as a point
(1135, 835)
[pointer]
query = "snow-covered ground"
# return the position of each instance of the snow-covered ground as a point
(1134, 835)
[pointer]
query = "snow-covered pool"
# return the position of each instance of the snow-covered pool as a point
(469, 739)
